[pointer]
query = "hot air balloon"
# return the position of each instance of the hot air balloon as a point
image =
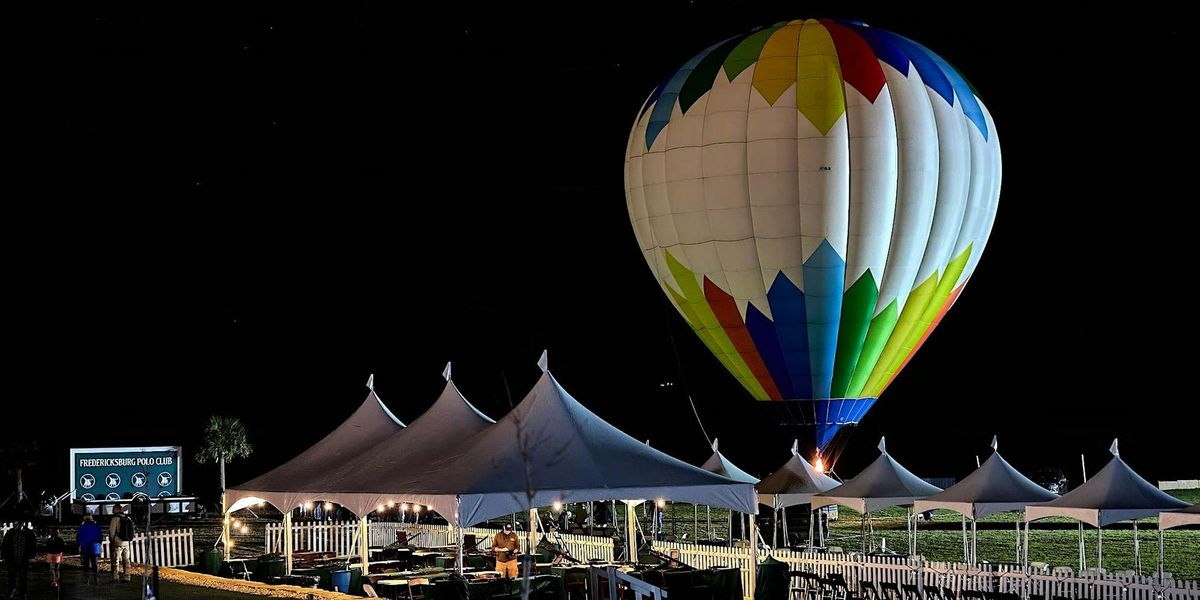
(812, 197)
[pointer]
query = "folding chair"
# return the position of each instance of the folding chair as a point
(973, 595)
(889, 591)
(911, 591)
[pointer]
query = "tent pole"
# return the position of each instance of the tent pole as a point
(1099, 548)
(591, 518)
(1137, 550)
(730, 537)
(775, 528)
(364, 544)
(695, 522)
(1026, 545)
(533, 523)
(966, 554)
(1018, 542)
(1082, 549)
(287, 542)
(753, 553)
(708, 521)
(1161, 563)
(783, 511)
(812, 518)
(630, 533)
(974, 543)
(458, 535)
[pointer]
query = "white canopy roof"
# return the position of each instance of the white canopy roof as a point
(369, 425)
(794, 483)
(1114, 494)
(882, 484)
(992, 488)
(1187, 516)
(717, 463)
(550, 448)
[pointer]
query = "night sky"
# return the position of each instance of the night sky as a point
(246, 208)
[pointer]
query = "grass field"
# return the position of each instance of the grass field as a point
(1053, 541)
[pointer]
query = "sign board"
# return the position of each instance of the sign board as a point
(120, 473)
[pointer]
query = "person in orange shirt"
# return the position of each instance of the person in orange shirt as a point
(506, 545)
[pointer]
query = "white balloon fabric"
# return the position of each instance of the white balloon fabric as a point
(813, 197)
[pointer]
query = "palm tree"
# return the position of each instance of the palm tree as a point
(225, 439)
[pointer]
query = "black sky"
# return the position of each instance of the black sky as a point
(246, 208)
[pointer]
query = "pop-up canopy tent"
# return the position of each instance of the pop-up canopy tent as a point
(1182, 518)
(284, 485)
(1170, 520)
(794, 483)
(992, 488)
(1114, 494)
(882, 484)
(791, 484)
(717, 463)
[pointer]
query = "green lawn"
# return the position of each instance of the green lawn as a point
(1054, 541)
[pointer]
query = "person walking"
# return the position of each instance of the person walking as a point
(120, 534)
(19, 546)
(89, 537)
(55, 548)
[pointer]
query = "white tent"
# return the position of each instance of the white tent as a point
(794, 483)
(992, 488)
(882, 484)
(717, 463)
(283, 486)
(1182, 518)
(1116, 493)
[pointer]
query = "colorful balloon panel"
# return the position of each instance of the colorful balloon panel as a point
(812, 197)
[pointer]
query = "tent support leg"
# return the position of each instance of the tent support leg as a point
(1026, 545)
(966, 552)
(1161, 563)
(775, 528)
(730, 538)
(630, 533)
(812, 518)
(1137, 550)
(753, 553)
(974, 543)
(1018, 542)
(287, 542)
(695, 522)
(783, 511)
(364, 544)
(708, 521)
(1099, 548)
(458, 536)
(1082, 550)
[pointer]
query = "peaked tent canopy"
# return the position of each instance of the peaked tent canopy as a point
(717, 463)
(550, 448)
(992, 488)
(1187, 516)
(882, 484)
(794, 483)
(1115, 494)
(369, 425)
(365, 481)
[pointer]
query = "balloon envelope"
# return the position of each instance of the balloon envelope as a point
(812, 197)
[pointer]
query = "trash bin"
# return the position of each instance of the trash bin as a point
(269, 565)
(340, 580)
(210, 561)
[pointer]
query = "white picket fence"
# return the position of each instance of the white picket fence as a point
(339, 537)
(1036, 584)
(169, 547)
